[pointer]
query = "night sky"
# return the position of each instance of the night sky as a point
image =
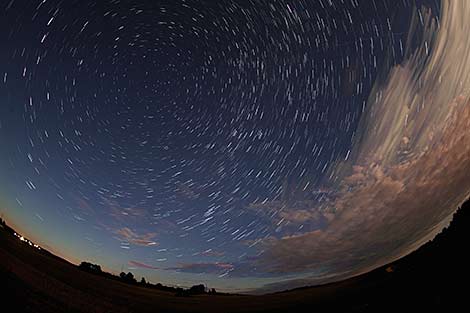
(231, 143)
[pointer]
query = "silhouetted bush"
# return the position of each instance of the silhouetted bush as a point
(128, 278)
(91, 268)
(197, 289)
(212, 292)
(180, 292)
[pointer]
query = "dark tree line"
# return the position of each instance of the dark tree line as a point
(129, 278)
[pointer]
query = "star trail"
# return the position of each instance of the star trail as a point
(187, 140)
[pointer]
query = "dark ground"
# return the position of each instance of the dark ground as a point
(432, 279)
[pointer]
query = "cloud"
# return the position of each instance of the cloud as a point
(141, 240)
(142, 265)
(382, 212)
(206, 268)
(123, 214)
(409, 170)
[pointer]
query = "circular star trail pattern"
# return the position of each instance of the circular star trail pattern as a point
(182, 137)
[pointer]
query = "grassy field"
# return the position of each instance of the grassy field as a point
(426, 280)
(38, 282)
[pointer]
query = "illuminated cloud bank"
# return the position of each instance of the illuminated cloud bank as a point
(408, 172)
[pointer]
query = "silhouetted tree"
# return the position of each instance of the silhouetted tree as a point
(197, 289)
(91, 268)
(128, 278)
(143, 281)
(180, 292)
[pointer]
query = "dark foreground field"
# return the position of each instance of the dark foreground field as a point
(432, 279)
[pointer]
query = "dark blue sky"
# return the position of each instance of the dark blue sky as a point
(169, 136)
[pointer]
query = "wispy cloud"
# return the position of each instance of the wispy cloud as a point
(207, 268)
(141, 240)
(142, 265)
